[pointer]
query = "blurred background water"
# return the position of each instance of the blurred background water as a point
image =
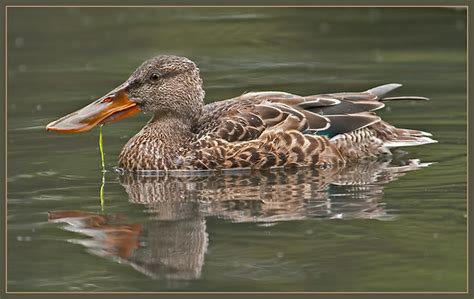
(391, 226)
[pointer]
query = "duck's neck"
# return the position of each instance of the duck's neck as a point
(158, 146)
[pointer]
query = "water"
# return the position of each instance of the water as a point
(390, 226)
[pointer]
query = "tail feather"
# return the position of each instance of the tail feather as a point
(423, 133)
(408, 141)
(372, 138)
(396, 137)
(412, 98)
(382, 90)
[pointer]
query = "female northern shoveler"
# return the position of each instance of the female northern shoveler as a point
(256, 129)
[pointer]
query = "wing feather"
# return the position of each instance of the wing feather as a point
(248, 116)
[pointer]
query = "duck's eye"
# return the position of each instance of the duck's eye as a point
(154, 77)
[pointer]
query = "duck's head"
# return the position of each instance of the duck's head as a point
(168, 86)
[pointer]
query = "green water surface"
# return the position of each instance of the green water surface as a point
(374, 228)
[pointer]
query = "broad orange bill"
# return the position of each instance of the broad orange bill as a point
(115, 106)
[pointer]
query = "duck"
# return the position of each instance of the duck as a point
(256, 130)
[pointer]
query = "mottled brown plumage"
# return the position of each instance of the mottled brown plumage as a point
(255, 130)
(271, 129)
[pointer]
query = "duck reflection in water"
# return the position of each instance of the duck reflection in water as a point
(172, 242)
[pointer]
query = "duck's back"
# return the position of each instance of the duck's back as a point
(267, 129)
